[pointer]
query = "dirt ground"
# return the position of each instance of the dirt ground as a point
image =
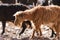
(12, 33)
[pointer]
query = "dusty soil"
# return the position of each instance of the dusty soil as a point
(12, 33)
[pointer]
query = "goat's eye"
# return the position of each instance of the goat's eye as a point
(21, 15)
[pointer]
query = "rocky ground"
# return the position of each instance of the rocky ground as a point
(12, 33)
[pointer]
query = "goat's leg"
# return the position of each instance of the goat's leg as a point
(24, 27)
(3, 25)
(53, 33)
(32, 34)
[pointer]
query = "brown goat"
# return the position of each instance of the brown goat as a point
(40, 15)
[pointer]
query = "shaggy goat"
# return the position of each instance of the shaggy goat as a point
(40, 15)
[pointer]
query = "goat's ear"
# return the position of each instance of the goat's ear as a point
(14, 14)
(17, 13)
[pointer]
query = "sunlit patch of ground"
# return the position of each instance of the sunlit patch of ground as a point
(12, 33)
